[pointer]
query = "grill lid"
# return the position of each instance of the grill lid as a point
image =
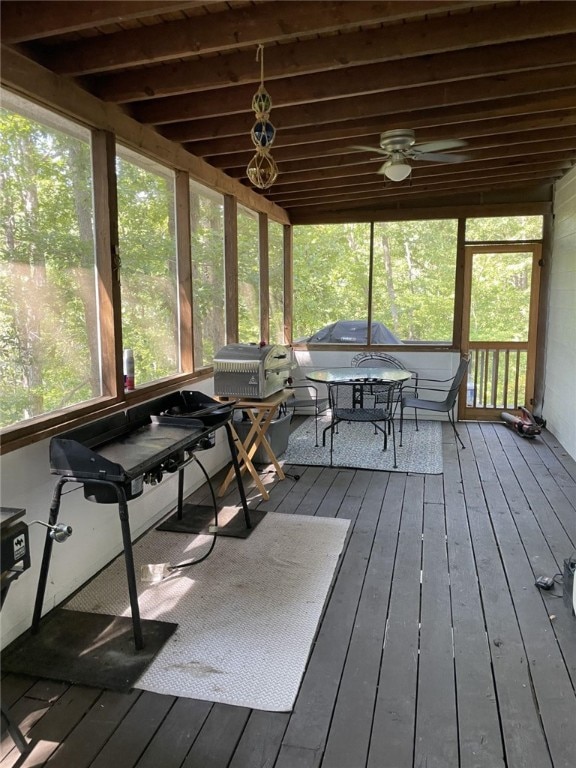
(239, 358)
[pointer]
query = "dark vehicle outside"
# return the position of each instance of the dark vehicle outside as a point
(352, 332)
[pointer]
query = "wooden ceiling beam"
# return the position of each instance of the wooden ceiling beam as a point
(363, 80)
(473, 151)
(371, 167)
(36, 20)
(532, 201)
(485, 184)
(330, 195)
(285, 200)
(479, 27)
(231, 163)
(428, 190)
(431, 96)
(292, 144)
(440, 97)
(264, 23)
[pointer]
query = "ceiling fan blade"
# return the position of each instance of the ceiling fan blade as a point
(438, 157)
(438, 146)
(376, 150)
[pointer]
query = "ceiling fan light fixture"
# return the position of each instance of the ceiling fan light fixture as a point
(397, 170)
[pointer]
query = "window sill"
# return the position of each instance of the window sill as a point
(43, 427)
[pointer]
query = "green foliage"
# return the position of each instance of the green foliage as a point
(48, 357)
(413, 281)
(331, 263)
(208, 287)
(276, 281)
(248, 277)
(504, 228)
(149, 271)
(500, 296)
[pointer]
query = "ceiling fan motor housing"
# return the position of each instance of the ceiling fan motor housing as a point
(397, 140)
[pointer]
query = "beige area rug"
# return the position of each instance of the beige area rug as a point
(357, 447)
(247, 615)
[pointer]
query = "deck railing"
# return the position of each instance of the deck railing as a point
(497, 375)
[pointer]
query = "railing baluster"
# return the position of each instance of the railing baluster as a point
(495, 370)
(517, 378)
(486, 367)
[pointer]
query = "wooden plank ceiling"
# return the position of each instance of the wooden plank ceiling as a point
(500, 76)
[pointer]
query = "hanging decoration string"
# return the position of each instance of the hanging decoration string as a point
(262, 169)
(260, 58)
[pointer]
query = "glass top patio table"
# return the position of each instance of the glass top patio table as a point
(358, 375)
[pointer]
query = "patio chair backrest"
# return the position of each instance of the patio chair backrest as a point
(456, 381)
(345, 401)
(368, 360)
(375, 360)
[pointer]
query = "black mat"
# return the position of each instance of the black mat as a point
(86, 649)
(198, 518)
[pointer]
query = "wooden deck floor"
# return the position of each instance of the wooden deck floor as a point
(436, 649)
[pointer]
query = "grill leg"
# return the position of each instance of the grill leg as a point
(130, 575)
(15, 732)
(179, 508)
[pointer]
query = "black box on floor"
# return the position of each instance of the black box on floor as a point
(277, 435)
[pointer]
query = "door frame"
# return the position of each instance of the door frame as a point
(483, 413)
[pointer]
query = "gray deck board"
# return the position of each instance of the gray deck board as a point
(172, 742)
(218, 738)
(480, 737)
(392, 742)
(130, 740)
(310, 721)
(519, 715)
(548, 673)
(93, 731)
(357, 693)
(436, 738)
(435, 647)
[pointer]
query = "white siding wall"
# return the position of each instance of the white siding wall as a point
(559, 406)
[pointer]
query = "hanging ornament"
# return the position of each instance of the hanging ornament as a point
(263, 133)
(261, 101)
(262, 169)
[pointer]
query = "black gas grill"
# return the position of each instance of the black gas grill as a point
(114, 457)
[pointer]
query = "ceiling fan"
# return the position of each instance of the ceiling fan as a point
(400, 145)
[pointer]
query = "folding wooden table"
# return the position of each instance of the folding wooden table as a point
(261, 413)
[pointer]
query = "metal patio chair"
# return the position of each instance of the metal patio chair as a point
(320, 404)
(381, 416)
(439, 406)
(374, 359)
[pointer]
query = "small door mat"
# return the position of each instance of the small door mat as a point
(199, 518)
(87, 649)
